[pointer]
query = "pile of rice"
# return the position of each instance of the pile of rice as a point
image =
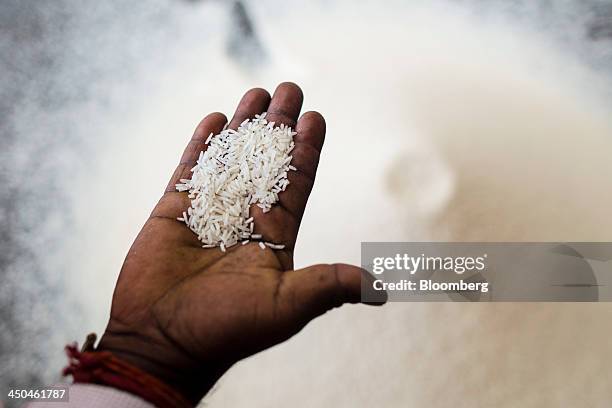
(239, 168)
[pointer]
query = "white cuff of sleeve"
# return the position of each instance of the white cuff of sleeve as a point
(95, 396)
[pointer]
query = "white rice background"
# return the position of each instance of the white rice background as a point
(443, 123)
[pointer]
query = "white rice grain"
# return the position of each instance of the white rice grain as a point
(274, 246)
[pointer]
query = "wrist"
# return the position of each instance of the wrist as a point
(105, 368)
(166, 364)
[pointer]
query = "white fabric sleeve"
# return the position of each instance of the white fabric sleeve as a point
(95, 396)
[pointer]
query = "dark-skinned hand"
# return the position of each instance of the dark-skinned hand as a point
(185, 314)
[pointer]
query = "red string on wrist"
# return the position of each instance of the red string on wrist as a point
(102, 367)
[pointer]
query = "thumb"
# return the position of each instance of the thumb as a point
(314, 290)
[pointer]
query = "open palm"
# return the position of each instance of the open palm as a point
(186, 314)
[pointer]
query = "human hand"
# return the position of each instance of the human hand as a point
(186, 314)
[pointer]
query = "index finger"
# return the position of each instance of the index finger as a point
(308, 143)
(292, 202)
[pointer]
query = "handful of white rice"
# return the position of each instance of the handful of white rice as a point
(239, 168)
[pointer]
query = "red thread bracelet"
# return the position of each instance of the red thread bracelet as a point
(102, 367)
